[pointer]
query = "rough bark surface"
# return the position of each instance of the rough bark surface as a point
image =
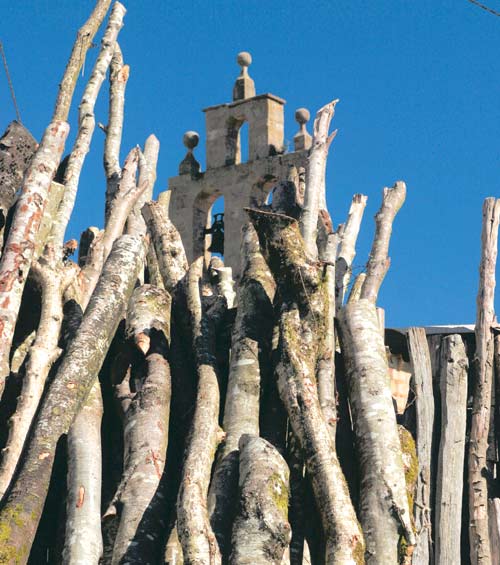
(261, 531)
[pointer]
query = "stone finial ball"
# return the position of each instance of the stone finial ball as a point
(302, 115)
(244, 59)
(191, 139)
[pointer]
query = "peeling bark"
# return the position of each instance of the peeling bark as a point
(261, 532)
(170, 252)
(480, 552)
(68, 392)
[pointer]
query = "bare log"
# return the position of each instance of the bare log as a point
(147, 175)
(140, 499)
(20, 516)
(19, 248)
(83, 41)
(424, 405)
(450, 476)
(384, 510)
(378, 263)
(315, 198)
(198, 541)
(480, 551)
(117, 83)
(261, 532)
(301, 341)
(53, 280)
(250, 342)
(168, 245)
(83, 538)
(347, 248)
(86, 125)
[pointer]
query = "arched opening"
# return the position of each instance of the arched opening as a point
(261, 190)
(215, 237)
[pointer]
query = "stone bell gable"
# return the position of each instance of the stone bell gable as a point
(242, 184)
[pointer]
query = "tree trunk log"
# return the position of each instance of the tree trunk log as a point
(450, 470)
(140, 499)
(198, 541)
(303, 312)
(251, 340)
(261, 531)
(383, 499)
(76, 375)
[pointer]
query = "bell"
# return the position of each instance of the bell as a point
(217, 233)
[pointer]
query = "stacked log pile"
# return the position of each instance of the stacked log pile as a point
(156, 411)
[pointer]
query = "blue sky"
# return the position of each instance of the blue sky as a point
(418, 83)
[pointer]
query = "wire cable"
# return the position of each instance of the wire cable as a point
(11, 86)
(483, 7)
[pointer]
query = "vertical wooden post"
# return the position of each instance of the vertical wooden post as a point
(450, 477)
(422, 384)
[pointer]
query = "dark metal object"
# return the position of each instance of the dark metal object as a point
(217, 233)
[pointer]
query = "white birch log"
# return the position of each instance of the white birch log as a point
(261, 531)
(480, 552)
(450, 476)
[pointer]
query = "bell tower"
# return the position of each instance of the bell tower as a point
(242, 184)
